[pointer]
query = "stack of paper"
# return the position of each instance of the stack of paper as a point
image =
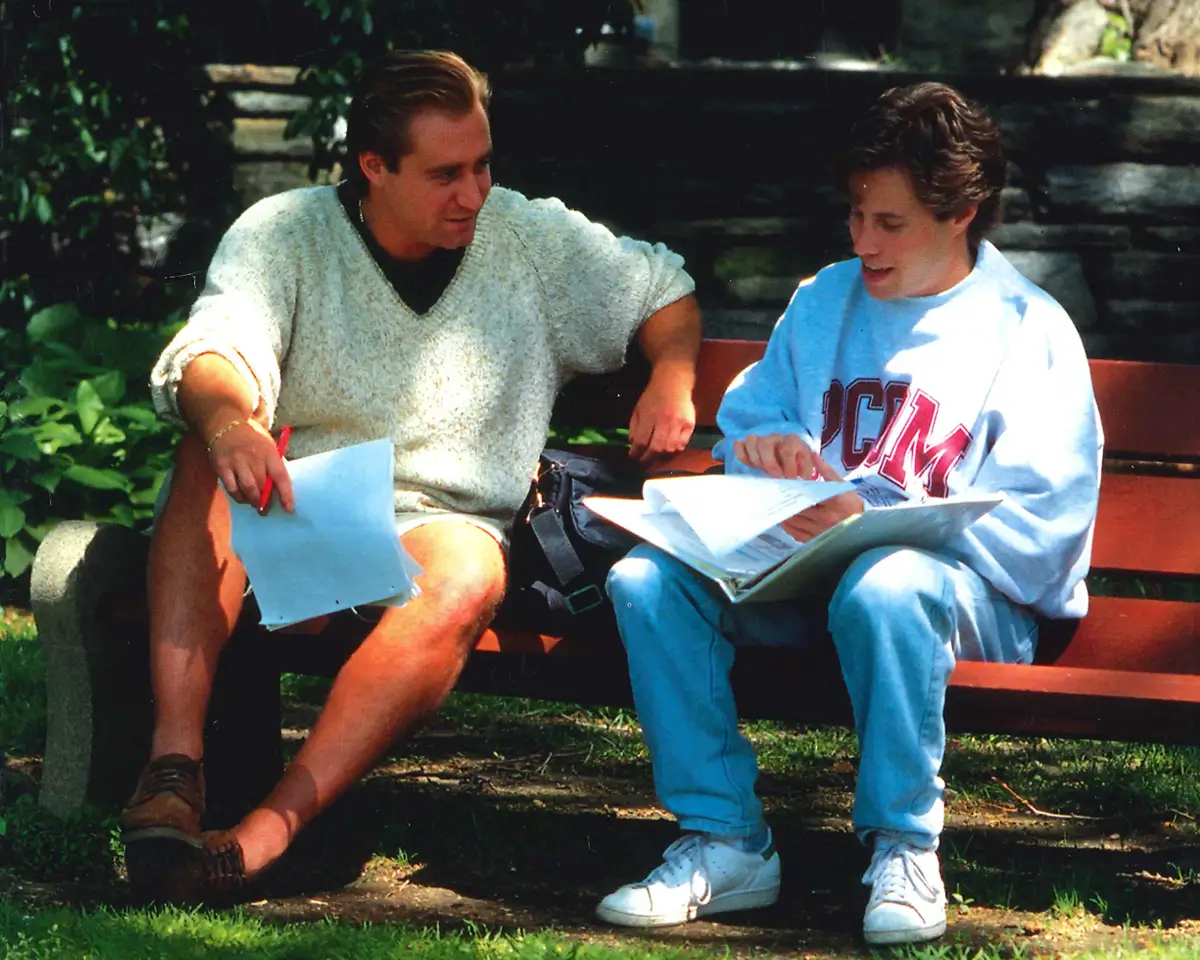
(728, 529)
(338, 549)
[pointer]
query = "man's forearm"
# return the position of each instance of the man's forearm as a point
(670, 339)
(212, 393)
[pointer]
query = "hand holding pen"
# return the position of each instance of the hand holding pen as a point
(249, 463)
(285, 434)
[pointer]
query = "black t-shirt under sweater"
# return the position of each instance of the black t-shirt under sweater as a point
(419, 283)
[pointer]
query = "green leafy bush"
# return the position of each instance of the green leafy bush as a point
(1116, 41)
(78, 436)
(102, 143)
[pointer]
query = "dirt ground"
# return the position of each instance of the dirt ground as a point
(454, 833)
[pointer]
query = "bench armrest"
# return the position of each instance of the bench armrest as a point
(97, 682)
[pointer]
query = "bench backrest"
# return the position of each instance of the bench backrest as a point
(1149, 518)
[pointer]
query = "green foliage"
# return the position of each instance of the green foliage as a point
(37, 845)
(78, 437)
(1116, 41)
(493, 35)
(22, 688)
(102, 141)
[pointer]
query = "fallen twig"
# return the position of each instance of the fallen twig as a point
(1041, 813)
(491, 763)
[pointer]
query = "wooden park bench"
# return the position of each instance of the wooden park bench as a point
(1129, 671)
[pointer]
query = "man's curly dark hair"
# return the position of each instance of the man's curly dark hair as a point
(946, 143)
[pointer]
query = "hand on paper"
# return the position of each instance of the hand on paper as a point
(779, 455)
(244, 457)
(663, 420)
(828, 513)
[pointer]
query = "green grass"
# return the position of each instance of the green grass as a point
(54, 933)
(1123, 785)
(57, 933)
(1130, 783)
(22, 685)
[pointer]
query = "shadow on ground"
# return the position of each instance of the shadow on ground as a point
(468, 829)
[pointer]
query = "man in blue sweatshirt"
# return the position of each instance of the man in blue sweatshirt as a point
(930, 366)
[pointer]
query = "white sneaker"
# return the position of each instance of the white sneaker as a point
(908, 898)
(700, 875)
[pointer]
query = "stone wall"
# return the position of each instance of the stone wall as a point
(729, 167)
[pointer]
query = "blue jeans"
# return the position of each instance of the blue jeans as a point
(899, 620)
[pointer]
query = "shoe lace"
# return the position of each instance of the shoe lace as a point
(223, 865)
(684, 862)
(895, 871)
(173, 778)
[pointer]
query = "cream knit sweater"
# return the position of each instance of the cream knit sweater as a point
(294, 300)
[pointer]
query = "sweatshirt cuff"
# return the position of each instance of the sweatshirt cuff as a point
(169, 371)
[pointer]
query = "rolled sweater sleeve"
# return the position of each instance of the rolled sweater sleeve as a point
(599, 287)
(245, 311)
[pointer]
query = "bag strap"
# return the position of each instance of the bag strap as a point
(547, 527)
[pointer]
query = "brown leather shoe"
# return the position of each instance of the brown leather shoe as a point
(168, 802)
(213, 873)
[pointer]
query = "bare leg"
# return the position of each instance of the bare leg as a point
(196, 586)
(397, 677)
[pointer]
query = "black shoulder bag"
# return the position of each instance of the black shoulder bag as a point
(561, 552)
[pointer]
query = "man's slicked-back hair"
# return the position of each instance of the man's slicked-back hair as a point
(396, 89)
(947, 144)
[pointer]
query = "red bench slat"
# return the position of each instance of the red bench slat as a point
(1148, 524)
(1151, 636)
(1122, 633)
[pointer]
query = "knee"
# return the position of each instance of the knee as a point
(464, 601)
(641, 576)
(889, 580)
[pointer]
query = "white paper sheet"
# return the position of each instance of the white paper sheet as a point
(773, 566)
(338, 549)
(728, 511)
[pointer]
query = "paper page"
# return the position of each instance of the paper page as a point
(728, 511)
(927, 524)
(667, 531)
(339, 549)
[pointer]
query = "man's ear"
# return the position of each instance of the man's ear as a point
(372, 165)
(962, 220)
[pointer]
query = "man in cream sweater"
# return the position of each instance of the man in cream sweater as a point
(416, 302)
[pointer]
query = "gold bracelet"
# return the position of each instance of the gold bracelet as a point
(224, 430)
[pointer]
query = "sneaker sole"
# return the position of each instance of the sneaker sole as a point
(728, 903)
(161, 833)
(919, 935)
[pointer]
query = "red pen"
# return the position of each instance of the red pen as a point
(285, 434)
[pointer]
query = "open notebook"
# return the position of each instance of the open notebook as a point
(727, 528)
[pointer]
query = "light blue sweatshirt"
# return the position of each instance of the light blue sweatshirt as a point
(982, 388)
